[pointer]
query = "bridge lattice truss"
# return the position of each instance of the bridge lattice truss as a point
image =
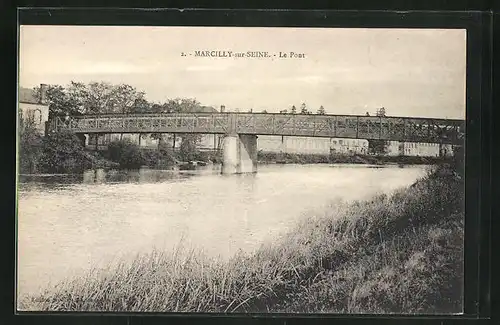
(405, 129)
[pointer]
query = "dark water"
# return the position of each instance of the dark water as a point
(67, 224)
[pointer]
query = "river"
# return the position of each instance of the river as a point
(68, 224)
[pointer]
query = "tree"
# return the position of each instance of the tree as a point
(377, 147)
(92, 98)
(60, 101)
(284, 111)
(63, 152)
(182, 105)
(156, 108)
(458, 159)
(303, 109)
(30, 146)
(188, 148)
(166, 152)
(141, 105)
(126, 153)
(125, 99)
(381, 112)
(321, 110)
(189, 142)
(294, 110)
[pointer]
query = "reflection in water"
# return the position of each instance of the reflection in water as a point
(99, 176)
(69, 223)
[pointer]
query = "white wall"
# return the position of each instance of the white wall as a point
(349, 146)
(312, 145)
(269, 143)
(393, 148)
(417, 149)
(294, 144)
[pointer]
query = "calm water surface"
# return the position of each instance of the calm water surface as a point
(66, 224)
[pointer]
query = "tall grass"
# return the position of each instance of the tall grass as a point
(393, 254)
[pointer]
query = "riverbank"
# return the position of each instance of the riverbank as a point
(398, 253)
(296, 158)
(129, 156)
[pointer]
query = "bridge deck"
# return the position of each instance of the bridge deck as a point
(450, 131)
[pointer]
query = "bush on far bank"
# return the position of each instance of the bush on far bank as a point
(125, 153)
(315, 158)
(63, 152)
(58, 152)
(130, 156)
(30, 150)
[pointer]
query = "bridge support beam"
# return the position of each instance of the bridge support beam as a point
(239, 154)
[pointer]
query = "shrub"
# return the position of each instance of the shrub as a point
(63, 152)
(125, 153)
(30, 148)
(188, 150)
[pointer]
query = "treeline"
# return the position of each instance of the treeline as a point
(104, 98)
(303, 110)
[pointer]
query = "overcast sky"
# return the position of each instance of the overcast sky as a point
(348, 71)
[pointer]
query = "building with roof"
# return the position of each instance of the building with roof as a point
(396, 148)
(34, 108)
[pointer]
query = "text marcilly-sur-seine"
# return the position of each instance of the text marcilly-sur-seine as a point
(247, 54)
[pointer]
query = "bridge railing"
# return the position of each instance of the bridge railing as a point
(337, 126)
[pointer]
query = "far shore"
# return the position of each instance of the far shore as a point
(270, 158)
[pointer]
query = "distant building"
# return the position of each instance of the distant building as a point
(396, 148)
(210, 142)
(307, 145)
(269, 143)
(311, 145)
(349, 146)
(343, 146)
(34, 108)
(294, 144)
(393, 148)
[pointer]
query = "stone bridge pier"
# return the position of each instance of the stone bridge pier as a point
(239, 153)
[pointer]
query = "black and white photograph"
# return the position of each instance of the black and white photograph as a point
(240, 170)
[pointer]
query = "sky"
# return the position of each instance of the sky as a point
(409, 72)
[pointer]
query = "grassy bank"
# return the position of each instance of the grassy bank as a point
(397, 253)
(295, 158)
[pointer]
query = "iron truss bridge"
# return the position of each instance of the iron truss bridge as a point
(404, 129)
